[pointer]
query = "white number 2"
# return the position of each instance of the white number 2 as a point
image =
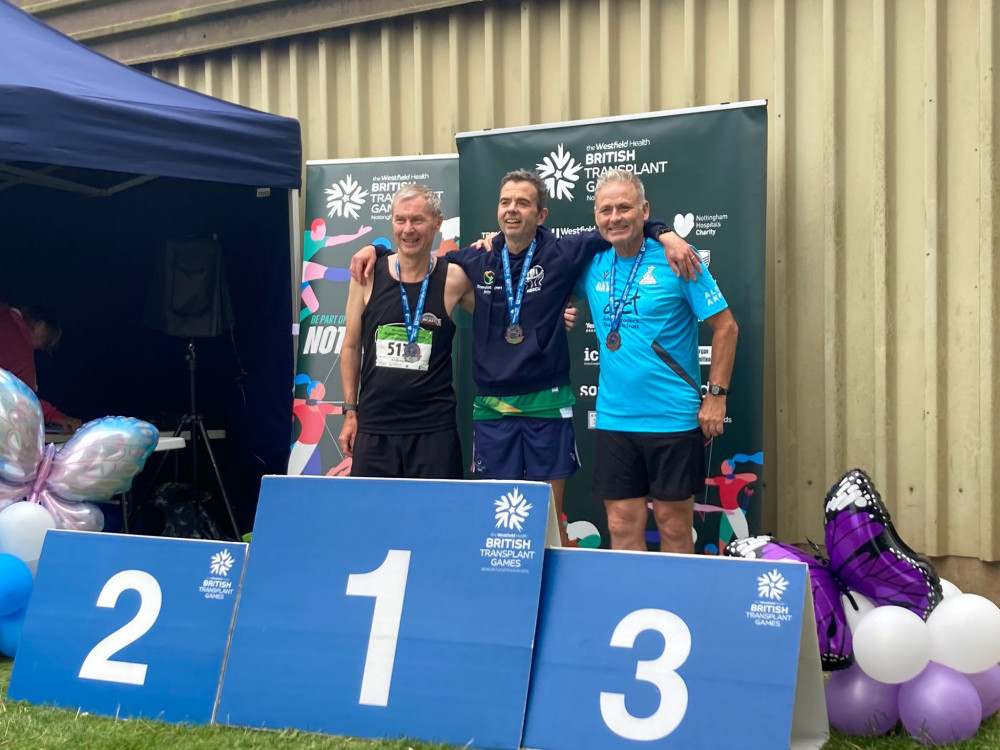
(659, 671)
(98, 665)
(387, 583)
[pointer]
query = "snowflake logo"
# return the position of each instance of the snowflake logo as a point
(512, 510)
(345, 197)
(560, 171)
(221, 563)
(771, 585)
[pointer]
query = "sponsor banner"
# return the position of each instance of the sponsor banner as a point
(129, 626)
(390, 607)
(705, 174)
(348, 206)
(622, 664)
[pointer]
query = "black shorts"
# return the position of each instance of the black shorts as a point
(427, 455)
(660, 465)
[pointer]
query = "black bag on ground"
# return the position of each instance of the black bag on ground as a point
(184, 510)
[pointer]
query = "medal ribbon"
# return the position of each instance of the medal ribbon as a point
(514, 303)
(413, 321)
(617, 308)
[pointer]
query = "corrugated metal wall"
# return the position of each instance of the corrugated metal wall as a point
(881, 307)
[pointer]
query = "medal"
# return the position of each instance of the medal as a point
(411, 351)
(613, 342)
(514, 333)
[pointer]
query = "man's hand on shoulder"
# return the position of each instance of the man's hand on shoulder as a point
(362, 264)
(684, 261)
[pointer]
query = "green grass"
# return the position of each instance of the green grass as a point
(26, 726)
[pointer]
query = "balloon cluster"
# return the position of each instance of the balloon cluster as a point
(939, 676)
(902, 643)
(44, 488)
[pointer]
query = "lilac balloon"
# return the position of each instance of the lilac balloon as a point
(940, 705)
(857, 704)
(987, 684)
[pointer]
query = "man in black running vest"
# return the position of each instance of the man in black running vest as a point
(395, 362)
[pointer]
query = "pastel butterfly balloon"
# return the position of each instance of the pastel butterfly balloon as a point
(98, 462)
(866, 556)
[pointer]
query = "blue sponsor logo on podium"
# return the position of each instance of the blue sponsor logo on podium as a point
(129, 625)
(390, 607)
(676, 651)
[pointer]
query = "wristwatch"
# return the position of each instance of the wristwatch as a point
(666, 230)
(350, 407)
(714, 389)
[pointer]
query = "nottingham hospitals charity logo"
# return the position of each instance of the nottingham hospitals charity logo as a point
(560, 171)
(345, 197)
(221, 563)
(771, 585)
(511, 510)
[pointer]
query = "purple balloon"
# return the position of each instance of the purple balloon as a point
(940, 705)
(987, 684)
(857, 704)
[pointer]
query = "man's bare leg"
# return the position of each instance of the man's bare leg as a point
(674, 520)
(627, 523)
(558, 490)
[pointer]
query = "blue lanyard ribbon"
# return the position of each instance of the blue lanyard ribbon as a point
(514, 303)
(413, 321)
(617, 308)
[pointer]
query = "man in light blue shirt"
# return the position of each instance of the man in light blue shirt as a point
(652, 421)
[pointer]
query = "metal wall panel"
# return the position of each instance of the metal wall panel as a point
(883, 184)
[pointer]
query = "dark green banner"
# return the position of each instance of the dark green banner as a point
(348, 205)
(705, 174)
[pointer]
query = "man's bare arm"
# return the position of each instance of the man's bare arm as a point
(350, 364)
(712, 415)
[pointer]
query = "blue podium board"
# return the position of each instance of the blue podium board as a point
(128, 625)
(390, 607)
(639, 650)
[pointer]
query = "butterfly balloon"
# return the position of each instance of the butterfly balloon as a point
(98, 462)
(866, 556)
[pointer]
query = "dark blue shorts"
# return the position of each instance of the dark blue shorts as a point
(524, 448)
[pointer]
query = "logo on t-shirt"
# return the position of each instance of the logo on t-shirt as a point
(488, 277)
(534, 280)
(648, 277)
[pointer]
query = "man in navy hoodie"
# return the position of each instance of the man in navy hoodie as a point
(520, 358)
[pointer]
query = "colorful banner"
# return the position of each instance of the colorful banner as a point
(705, 174)
(348, 206)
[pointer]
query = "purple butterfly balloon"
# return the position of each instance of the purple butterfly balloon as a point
(98, 462)
(866, 556)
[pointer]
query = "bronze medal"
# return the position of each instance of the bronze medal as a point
(613, 341)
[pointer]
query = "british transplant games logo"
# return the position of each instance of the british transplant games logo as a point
(344, 198)
(560, 172)
(218, 585)
(508, 550)
(771, 585)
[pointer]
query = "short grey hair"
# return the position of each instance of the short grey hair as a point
(417, 190)
(529, 176)
(621, 176)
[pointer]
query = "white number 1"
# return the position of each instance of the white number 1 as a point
(387, 583)
(659, 671)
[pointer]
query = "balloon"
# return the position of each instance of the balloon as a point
(22, 530)
(864, 604)
(72, 515)
(857, 704)
(949, 589)
(891, 644)
(10, 632)
(15, 584)
(940, 706)
(987, 684)
(965, 630)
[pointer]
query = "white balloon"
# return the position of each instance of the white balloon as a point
(965, 630)
(949, 589)
(891, 644)
(22, 530)
(865, 605)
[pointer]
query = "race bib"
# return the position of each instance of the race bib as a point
(393, 350)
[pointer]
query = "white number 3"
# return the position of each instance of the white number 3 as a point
(659, 671)
(98, 665)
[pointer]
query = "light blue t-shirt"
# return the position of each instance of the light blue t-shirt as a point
(638, 391)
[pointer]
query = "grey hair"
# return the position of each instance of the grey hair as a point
(417, 190)
(530, 176)
(621, 176)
